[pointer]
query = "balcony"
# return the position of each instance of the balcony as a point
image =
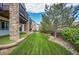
(22, 11)
(4, 10)
(4, 6)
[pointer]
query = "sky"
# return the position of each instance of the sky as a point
(36, 9)
(36, 17)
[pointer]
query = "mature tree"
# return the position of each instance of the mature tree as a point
(46, 24)
(58, 16)
(69, 15)
(75, 24)
(54, 13)
(61, 15)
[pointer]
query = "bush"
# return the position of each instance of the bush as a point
(71, 35)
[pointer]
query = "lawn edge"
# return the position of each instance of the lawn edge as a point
(14, 43)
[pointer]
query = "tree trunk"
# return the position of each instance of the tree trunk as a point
(55, 34)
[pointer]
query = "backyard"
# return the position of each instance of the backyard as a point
(56, 34)
(38, 44)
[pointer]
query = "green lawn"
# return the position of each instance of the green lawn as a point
(38, 44)
(22, 34)
(6, 40)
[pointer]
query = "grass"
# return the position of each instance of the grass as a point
(22, 34)
(38, 44)
(6, 40)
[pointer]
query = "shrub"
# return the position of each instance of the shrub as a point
(71, 35)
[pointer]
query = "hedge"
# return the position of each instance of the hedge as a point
(71, 35)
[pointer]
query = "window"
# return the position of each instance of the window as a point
(4, 25)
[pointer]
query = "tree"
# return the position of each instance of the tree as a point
(54, 13)
(46, 24)
(61, 15)
(58, 16)
(75, 24)
(69, 15)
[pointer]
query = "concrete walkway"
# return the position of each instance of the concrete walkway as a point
(65, 44)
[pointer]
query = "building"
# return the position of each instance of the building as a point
(13, 19)
(37, 27)
(32, 25)
(4, 16)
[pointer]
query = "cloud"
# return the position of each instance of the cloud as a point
(39, 7)
(73, 4)
(35, 7)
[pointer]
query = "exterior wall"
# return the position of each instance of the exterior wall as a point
(14, 21)
(4, 32)
(5, 22)
(22, 28)
(37, 27)
(33, 26)
(4, 25)
(3, 18)
(15, 11)
(27, 27)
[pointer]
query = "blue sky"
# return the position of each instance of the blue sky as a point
(35, 10)
(36, 17)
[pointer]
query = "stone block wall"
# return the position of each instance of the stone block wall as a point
(14, 21)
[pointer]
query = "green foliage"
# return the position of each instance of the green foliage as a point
(46, 25)
(58, 16)
(75, 24)
(71, 35)
(61, 15)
